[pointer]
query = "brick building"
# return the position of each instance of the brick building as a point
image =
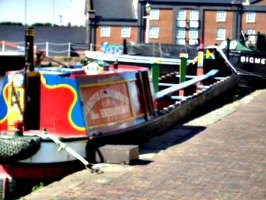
(173, 21)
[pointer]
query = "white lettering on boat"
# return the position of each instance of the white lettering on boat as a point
(91, 102)
(249, 59)
(110, 112)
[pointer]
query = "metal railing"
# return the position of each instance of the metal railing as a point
(50, 49)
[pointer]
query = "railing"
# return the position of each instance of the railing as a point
(50, 49)
(78, 49)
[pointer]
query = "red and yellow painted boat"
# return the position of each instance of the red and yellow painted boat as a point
(79, 110)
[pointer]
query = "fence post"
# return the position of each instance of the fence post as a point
(69, 49)
(91, 47)
(47, 49)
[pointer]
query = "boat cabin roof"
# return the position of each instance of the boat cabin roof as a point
(74, 72)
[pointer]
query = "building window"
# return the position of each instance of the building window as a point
(181, 15)
(220, 34)
(194, 19)
(221, 16)
(181, 24)
(251, 34)
(105, 31)
(194, 15)
(154, 15)
(193, 36)
(181, 36)
(125, 32)
(250, 17)
(154, 32)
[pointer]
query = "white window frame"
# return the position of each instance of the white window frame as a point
(154, 32)
(180, 41)
(155, 14)
(181, 23)
(193, 33)
(194, 15)
(220, 33)
(193, 36)
(221, 16)
(105, 31)
(181, 15)
(181, 36)
(251, 17)
(125, 31)
(251, 31)
(181, 33)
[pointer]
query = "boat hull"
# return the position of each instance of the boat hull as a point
(48, 164)
(220, 92)
(252, 68)
(34, 175)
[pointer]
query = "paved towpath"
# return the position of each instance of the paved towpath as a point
(218, 156)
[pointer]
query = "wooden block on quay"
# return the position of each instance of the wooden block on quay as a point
(118, 154)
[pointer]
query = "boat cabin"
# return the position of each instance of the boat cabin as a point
(76, 102)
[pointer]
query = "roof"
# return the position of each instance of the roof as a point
(196, 1)
(114, 9)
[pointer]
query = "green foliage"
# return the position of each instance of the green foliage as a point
(38, 24)
(11, 23)
(42, 24)
(35, 188)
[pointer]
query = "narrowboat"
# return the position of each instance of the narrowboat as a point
(53, 120)
(137, 53)
(248, 56)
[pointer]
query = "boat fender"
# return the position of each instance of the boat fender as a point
(18, 148)
(162, 112)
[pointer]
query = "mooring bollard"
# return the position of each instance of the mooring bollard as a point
(200, 59)
(183, 67)
(182, 70)
(200, 62)
(155, 69)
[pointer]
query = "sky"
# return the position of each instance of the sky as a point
(48, 11)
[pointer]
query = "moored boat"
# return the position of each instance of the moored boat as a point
(141, 54)
(80, 110)
(248, 56)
